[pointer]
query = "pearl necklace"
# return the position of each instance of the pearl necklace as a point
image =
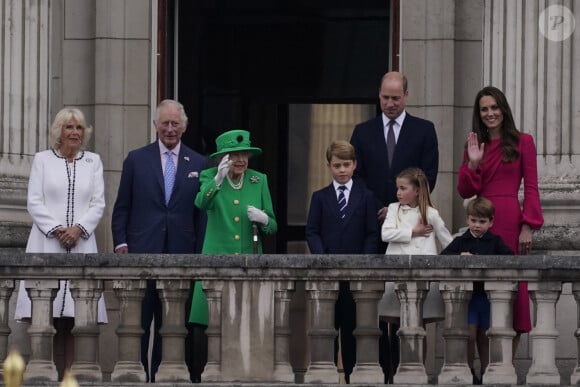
(238, 185)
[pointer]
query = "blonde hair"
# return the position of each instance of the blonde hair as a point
(61, 119)
(417, 178)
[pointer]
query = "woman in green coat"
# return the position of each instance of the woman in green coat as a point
(234, 198)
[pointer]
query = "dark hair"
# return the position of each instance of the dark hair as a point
(510, 136)
(480, 207)
(418, 179)
(341, 149)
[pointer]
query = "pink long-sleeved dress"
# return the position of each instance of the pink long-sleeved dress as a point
(500, 182)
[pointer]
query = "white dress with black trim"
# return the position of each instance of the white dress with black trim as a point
(62, 194)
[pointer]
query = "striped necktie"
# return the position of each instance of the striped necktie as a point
(342, 201)
(169, 176)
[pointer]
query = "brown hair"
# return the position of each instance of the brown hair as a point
(418, 179)
(341, 149)
(398, 76)
(481, 208)
(510, 136)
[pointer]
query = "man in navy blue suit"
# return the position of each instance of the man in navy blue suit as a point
(385, 146)
(150, 216)
(415, 143)
(341, 220)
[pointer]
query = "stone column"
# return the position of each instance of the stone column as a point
(282, 296)
(544, 295)
(6, 289)
(411, 368)
(575, 377)
(173, 294)
(213, 293)
(501, 333)
(86, 293)
(40, 367)
(456, 296)
(367, 295)
(129, 368)
(24, 102)
(537, 73)
(322, 296)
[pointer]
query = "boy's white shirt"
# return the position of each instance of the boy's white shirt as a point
(348, 186)
(397, 230)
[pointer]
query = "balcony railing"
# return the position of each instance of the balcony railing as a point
(249, 315)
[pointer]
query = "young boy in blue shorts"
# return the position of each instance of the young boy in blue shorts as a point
(478, 240)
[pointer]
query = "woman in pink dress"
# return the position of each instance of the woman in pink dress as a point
(497, 158)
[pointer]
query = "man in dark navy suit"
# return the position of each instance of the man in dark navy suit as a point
(151, 216)
(415, 143)
(385, 146)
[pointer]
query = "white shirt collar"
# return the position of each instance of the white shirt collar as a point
(163, 148)
(348, 185)
(399, 120)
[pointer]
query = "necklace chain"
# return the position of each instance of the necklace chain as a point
(238, 185)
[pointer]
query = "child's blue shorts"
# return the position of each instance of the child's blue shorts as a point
(478, 311)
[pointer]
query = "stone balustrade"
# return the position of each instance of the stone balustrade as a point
(269, 281)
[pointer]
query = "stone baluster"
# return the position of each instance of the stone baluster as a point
(367, 295)
(456, 297)
(282, 296)
(575, 377)
(544, 295)
(322, 296)
(86, 293)
(6, 289)
(411, 369)
(501, 333)
(128, 368)
(41, 367)
(213, 369)
(173, 295)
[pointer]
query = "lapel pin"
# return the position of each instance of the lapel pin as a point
(193, 175)
(186, 158)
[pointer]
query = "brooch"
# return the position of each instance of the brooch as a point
(192, 175)
(186, 158)
(254, 179)
(89, 160)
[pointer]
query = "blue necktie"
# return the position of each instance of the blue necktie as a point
(169, 176)
(342, 201)
(391, 142)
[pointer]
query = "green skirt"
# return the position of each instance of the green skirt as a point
(198, 312)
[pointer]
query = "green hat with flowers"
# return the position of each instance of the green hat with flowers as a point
(236, 140)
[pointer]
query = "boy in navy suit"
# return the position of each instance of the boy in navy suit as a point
(478, 240)
(342, 220)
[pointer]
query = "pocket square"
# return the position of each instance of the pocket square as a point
(192, 175)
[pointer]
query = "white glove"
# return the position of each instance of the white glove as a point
(223, 169)
(257, 216)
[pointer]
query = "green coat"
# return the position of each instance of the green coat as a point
(228, 230)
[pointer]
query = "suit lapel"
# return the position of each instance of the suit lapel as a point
(182, 168)
(330, 197)
(405, 136)
(354, 199)
(154, 159)
(379, 138)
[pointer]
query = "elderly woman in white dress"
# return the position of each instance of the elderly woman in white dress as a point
(66, 200)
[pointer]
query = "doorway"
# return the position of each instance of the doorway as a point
(296, 74)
